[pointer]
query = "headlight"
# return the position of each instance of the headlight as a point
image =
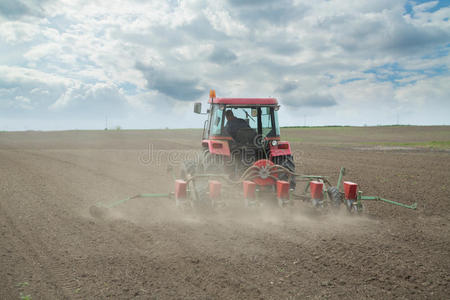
(274, 143)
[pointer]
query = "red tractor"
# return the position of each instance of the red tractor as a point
(257, 139)
(241, 142)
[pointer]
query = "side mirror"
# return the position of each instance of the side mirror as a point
(198, 107)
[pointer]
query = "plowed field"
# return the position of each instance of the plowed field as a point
(52, 248)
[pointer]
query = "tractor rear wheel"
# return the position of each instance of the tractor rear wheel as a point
(212, 163)
(287, 162)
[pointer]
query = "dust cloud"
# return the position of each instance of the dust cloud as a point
(270, 218)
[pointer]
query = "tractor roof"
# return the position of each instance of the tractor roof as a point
(245, 101)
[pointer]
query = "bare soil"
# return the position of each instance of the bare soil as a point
(52, 248)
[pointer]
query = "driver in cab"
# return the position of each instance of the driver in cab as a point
(234, 124)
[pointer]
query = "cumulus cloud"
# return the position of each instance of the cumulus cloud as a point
(91, 100)
(269, 13)
(85, 59)
(172, 85)
(287, 87)
(222, 56)
(57, 97)
(14, 32)
(14, 9)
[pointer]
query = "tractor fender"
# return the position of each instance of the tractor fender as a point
(282, 148)
(217, 147)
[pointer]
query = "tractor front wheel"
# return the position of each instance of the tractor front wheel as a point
(286, 161)
(212, 163)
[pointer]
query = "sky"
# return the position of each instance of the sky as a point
(87, 64)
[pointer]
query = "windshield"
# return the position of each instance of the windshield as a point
(246, 114)
(262, 120)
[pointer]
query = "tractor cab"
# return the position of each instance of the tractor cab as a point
(256, 119)
(253, 136)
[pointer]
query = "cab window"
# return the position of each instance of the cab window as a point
(216, 120)
(266, 121)
(275, 122)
